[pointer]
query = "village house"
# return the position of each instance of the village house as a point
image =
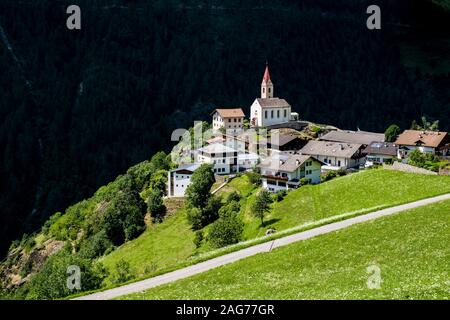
(337, 155)
(285, 142)
(247, 161)
(360, 137)
(380, 152)
(223, 158)
(433, 142)
(285, 171)
(232, 120)
(267, 110)
(234, 142)
(179, 179)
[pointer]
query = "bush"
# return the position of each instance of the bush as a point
(341, 172)
(198, 239)
(156, 205)
(225, 231)
(254, 177)
(201, 217)
(233, 196)
(95, 246)
(122, 272)
(329, 175)
(304, 182)
(51, 281)
(279, 196)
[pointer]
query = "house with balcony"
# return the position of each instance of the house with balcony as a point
(433, 142)
(285, 171)
(223, 158)
(336, 155)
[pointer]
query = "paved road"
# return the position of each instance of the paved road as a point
(250, 251)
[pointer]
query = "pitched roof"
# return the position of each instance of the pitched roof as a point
(231, 113)
(272, 103)
(361, 137)
(383, 148)
(266, 77)
(426, 138)
(187, 167)
(284, 162)
(285, 139)
(216, 148)
(333, 149)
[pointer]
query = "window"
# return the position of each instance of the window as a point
(264, 90)
(235, 120)
(271, 114)
(229, 120)
(285, 113)
(278, 113)
(265, 114)
(339, 163)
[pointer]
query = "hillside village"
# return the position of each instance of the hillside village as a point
(272, 142)
(244, 180)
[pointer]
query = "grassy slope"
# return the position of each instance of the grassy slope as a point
(410, 248)
(364, 190)
(169, 244)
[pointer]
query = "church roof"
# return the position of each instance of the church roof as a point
(272, 103)
(266, 77)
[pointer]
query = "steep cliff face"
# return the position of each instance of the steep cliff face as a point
(79, 107)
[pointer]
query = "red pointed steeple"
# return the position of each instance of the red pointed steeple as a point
(266, 77)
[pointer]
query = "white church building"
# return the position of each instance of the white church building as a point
(267, 110)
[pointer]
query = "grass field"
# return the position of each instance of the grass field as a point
(169, 245)
(410, 249)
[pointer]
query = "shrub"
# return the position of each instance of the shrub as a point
(279, 196)
(198, 239)
(233, 196)
(51, 281)
(254, 177)
(329, 175)
(225, 231)
(95, 246)
(341, 172)
(122, 272)
(201, 217)
(156, 205)
(304, 182)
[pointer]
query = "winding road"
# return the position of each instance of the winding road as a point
(253, 250)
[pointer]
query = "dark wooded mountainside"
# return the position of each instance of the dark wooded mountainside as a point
(79, 107)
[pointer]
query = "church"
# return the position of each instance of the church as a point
(267, 110)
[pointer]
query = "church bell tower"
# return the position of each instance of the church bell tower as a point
(266, 85)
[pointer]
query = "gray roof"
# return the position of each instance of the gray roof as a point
(216, 148)
(361, 137)
(331, 149)
(273, 103)
(188, 167)
(384, 148)
(284, 162)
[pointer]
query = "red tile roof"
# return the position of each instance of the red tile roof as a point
(425, 138)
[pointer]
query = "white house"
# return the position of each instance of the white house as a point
(230, 119)
(284, 171)
(247, 161)
(380, 152)
(179, 179)
(222, 157)
(337, 155)
(424, 141)
(267, 110)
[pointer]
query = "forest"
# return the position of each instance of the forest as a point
(77, 108)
